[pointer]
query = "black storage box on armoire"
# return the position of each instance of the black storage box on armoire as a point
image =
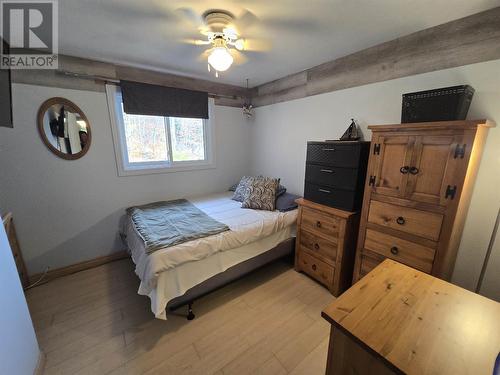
(336, 172)
(444, 104)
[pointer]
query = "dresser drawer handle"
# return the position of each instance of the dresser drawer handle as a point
(324, 191)
(318, 224)
(414, 170)
(394, 250)
(326, 171)
(314, 267)
(316, 246)
(401, 220)
(328, 149)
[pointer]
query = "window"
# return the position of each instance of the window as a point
(156, 144)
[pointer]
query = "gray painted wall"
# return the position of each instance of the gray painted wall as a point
(280, 133)
(18, 346)
(69, 211)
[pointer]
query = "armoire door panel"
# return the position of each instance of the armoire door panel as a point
(391, 167)
(431, 161)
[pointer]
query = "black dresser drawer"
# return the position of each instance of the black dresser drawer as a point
(343, 199)
(341, 178)
(336, 154)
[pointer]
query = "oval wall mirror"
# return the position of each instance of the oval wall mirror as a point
(64, 128)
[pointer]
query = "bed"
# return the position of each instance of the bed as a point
(177, 275)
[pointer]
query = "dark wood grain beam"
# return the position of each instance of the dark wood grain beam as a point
(85, 74)
(464, 41)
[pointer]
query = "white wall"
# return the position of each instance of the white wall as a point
(18, 345)
(69, 211)
(280, 133)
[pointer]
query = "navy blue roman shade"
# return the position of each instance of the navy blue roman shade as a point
(144, 99)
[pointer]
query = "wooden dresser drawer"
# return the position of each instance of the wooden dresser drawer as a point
(409, 253)
(420, 223)
(317, 221)
(319, 246)
(316, 268)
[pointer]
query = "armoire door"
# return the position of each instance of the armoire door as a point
(392, 164)
(432, 160)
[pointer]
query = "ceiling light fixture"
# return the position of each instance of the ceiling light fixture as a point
(220, 58)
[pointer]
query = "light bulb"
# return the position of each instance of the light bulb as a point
(220, 59)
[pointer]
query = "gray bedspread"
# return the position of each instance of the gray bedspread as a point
(164, 224)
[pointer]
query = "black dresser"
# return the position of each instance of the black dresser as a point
(335, 173)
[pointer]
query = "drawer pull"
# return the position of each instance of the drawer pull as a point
(414, 170)
(316, 246)
(318, 224)
(404, 170)
(324, 191)
(394, 250)
(326, 170)
(328, 149)
(314, 267)
(401, 220)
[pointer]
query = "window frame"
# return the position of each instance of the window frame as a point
(125, 168)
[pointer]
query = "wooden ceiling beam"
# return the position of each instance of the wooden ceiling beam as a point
(464, 41)
(85, 74)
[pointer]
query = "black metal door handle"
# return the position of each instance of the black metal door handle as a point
(394, 250)
(414, 170)
(404, 170)
(316, 246)
(318, 224)
(400, 220)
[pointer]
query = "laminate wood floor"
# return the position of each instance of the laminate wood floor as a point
(93, 322)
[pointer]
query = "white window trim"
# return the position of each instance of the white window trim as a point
(126, 169)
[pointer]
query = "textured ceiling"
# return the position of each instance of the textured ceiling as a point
(300, 33)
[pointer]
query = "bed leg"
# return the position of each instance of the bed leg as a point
(190, 315)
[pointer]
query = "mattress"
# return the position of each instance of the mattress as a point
(170, 272)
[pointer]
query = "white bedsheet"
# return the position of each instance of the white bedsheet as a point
(247, 227)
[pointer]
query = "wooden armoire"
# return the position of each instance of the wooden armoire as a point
(417, 192)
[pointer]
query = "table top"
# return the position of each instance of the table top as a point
(419, 324)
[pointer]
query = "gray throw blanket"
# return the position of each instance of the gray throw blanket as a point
(164, 224)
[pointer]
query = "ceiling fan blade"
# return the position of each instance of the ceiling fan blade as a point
(239, 58)
(246, 20)
(257, 45)
(193, 18)
(298, 24)
(195, 42)
(117, 9)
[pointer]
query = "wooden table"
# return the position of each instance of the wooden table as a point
(399, 320)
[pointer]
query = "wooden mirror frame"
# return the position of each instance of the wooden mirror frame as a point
(73, 108)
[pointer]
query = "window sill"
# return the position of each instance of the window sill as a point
(138, 171)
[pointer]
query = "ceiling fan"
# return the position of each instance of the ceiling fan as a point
(220, 29)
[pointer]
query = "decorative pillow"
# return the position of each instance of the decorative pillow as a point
(286, 202)
(240, 189)
(260, 193)
(281, 189)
